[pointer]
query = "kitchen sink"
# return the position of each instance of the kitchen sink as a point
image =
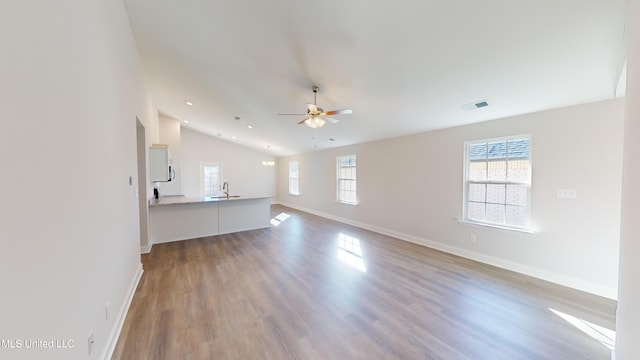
(223, 197)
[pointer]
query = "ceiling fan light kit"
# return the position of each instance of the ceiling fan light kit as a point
(318, 117)
(315, 122)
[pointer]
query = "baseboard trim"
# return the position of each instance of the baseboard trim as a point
(538, 273)
(146, 249)
(115, 332)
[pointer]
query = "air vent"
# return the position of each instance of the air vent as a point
(475, 105)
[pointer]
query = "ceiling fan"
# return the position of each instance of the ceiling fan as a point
(316, 117)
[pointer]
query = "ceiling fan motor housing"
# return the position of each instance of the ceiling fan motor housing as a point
(318, 111)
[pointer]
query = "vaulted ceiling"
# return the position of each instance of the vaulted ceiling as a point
(402, 67)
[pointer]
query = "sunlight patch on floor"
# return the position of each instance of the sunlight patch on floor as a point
(279, 219)
(605, 336)
(350, 252)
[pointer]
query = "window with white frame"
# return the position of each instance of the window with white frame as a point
(210, 179)
(497, 184)
(346, 179)
(294, 178)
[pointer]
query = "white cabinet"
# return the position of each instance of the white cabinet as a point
(159, 163)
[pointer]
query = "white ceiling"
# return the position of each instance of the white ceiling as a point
(402, 67)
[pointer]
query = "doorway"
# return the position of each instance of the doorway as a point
(143, 209)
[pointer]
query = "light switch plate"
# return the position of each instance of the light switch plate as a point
(567, 193)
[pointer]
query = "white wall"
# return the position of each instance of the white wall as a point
(628, 315)
(411, 187)
(169, 134)
(72, 87)
(242, 166)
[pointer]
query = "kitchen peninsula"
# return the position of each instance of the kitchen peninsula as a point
(174, 218)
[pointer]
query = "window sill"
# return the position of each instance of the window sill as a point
(520, 230)
(292, 194)
(346, 202)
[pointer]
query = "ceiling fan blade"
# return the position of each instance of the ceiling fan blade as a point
(339, 112)
(293, 114)
(302, 121)
(331, 120)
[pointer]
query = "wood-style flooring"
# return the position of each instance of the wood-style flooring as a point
(312, 288)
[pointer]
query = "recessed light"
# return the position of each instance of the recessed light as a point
(188, 103)
(233, 137)
(250, 127)
(185, 121)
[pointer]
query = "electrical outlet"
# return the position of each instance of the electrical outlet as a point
(472, 238)
(91, 341)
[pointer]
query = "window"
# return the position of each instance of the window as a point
(210, 179)
(497, 182)
(294, 178)
(346, 177)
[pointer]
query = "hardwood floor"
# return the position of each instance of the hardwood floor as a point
(311, 288)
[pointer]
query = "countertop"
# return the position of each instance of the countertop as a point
(178, 200)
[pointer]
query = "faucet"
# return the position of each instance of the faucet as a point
(225, 186)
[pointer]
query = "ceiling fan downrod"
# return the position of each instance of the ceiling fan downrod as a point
(315, 90)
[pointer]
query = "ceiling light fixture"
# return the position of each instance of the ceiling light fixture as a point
(250, 127)
(185, 121)
(268, 162)
(315, 121)
(188, 103)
